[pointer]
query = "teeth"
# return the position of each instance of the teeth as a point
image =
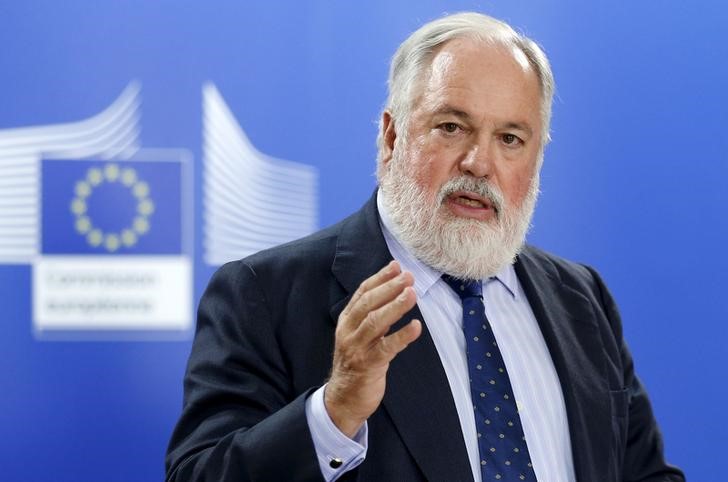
(470, 202)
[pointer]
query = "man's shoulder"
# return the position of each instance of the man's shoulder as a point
(317, 247)
(282, 267)
(313, 244)
(315, 251)
(558, 268)
(310, 259)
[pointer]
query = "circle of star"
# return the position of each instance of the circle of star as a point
(128, 236)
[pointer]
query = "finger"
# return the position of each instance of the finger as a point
(385, 274)
(370, 317)
(371, 301)
(376, 324)
(393, 344)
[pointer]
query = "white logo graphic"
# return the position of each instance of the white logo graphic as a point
(124, 263)
(110, 134)
(251, 201)
(113, 279)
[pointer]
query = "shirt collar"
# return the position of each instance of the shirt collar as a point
(426, 276)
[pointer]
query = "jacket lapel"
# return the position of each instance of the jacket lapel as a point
(418, 397)
(567, 321)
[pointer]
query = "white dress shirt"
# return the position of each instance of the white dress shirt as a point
(530, 368)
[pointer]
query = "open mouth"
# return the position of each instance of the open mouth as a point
(471, 205)
(471, 200)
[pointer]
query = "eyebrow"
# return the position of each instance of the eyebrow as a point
(450, 110)
(519, 126)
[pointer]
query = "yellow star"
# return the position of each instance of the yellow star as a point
(111, 172)
(128, 177)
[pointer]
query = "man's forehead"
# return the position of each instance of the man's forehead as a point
(460, 49)
(442, 67)
(472, 77)
(464, 67)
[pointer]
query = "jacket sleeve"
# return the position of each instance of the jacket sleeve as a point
(641, 441)
(241, 420)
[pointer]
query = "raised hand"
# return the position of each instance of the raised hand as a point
(363, 350)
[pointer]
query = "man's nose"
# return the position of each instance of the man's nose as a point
(478, 161)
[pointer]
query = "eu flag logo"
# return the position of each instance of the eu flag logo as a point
(111, 208)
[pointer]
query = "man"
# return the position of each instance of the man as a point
(419, 339)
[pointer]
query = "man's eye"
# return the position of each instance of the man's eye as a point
(510, 139)
(449, 127)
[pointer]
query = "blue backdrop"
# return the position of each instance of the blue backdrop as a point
(633, 184)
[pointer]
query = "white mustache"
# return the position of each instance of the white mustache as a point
(479, 186)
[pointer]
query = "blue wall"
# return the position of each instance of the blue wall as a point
(633, 184)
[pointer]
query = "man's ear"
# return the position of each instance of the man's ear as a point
(389, 135)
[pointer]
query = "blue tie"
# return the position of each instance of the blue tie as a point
(503, 450)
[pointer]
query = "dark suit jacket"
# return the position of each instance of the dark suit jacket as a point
(264, 342)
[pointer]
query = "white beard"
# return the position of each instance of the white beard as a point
(461, 247)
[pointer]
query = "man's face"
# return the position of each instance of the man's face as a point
(468, 159)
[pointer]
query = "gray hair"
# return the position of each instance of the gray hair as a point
(415, 54)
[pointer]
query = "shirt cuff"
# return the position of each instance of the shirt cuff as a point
(337, 453)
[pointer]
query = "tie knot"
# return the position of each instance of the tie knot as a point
(464, 288)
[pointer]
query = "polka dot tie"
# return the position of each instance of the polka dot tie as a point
(503, 450)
